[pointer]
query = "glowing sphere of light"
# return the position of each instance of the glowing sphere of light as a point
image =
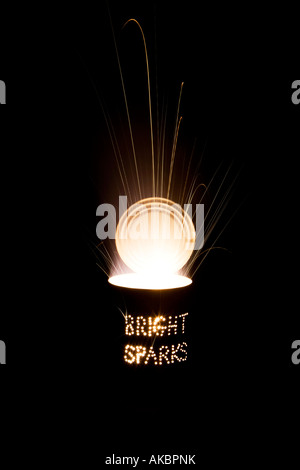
(155, 237)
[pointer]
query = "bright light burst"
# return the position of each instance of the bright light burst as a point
(155, 237)
(143, 281)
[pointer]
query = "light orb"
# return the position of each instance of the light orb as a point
(155, 238)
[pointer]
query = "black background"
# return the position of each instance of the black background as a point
(58, 315)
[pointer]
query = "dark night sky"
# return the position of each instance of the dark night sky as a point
(59, 317)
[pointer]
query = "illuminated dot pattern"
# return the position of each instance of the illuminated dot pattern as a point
(161, 356)
(155, 326)
(160, 325)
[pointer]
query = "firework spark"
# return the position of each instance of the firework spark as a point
(155, 237)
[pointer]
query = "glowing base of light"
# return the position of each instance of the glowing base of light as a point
(140, 281)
